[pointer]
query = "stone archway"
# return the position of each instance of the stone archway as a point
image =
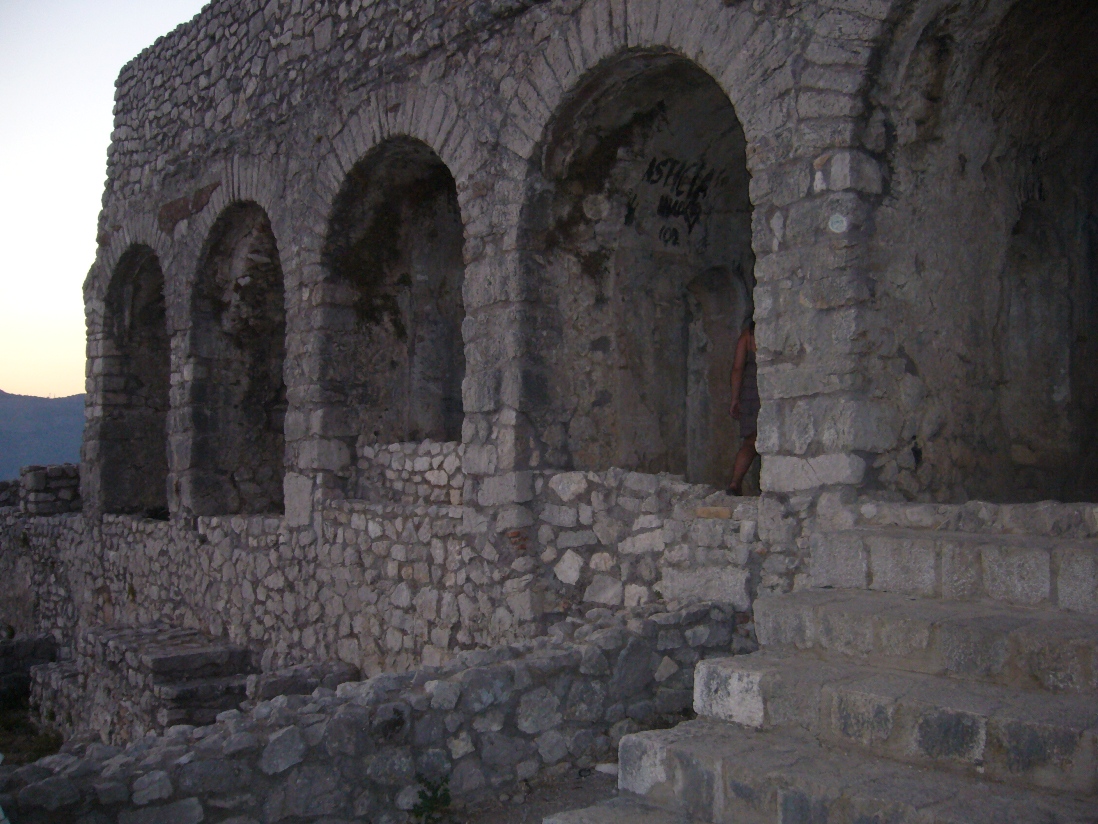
(393, 258)
(636, 242)
(129, 441)
(237, 392)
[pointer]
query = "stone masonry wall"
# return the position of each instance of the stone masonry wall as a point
(366, 751)
(49, 490)
(411, 472)
(386, 586)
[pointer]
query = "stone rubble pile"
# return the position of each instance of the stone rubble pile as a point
(364, 751)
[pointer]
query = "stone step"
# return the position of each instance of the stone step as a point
(1015, 569)
(720, 773)
(623, 810)
(198, 701)
(134, 680)
(1047, 518)
(167, 654)
(1020, 737)
(1028, 648)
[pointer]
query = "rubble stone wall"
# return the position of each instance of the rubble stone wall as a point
(411, 472)
(364, 752)
(386, 586)
(49, 490)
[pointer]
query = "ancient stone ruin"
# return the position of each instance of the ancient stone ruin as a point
(409, 343)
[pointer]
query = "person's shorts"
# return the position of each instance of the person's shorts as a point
(749, 418)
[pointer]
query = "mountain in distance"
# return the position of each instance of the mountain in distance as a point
(39, 431)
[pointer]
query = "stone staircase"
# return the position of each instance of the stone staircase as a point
(126, 681)
(945, 672)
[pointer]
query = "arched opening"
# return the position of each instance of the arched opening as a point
(238, 392)
(394, 257)
(993, 143)
(637, 248)
(131, 435)
(1044, 98)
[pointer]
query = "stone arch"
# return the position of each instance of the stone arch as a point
(127, 440)
(392, 256)
(236, 393)
(993, 145)
(636, 243)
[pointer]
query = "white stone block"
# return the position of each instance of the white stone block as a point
(569, 567)
(726, 692)
(724, 584)
(568, 485)
(782, 473)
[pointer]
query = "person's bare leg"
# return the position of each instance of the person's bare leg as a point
(744, 458)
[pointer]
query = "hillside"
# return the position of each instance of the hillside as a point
(39, 431)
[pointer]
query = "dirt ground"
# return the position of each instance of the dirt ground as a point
(569, 792)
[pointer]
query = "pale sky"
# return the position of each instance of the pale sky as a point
(58, 63)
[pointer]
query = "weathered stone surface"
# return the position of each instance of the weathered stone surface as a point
(187, 811)
(285, 748)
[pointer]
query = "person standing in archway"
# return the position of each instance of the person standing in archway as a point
(745, 405)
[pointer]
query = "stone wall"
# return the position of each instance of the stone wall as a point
(411, 472)
(386, 586)
(990, 181)
(49, 490)
(366, 751)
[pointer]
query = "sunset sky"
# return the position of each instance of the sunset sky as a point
(58, 63)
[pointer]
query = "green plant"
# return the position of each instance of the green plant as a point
(434, 802)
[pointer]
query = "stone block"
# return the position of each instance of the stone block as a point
(643, 543)
(538, 712)
(569, 567)
(297, 491)
(285, 749)
(1077, 580)
(854, 170)
(781, 473)
(154, 786)
(604, 589)
(49, 794)
(898, 565)
(510, 488)
(726, 691)
(1018, 574)
(839, 560)
(563, 516)
(568, 485)
(722, 584)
